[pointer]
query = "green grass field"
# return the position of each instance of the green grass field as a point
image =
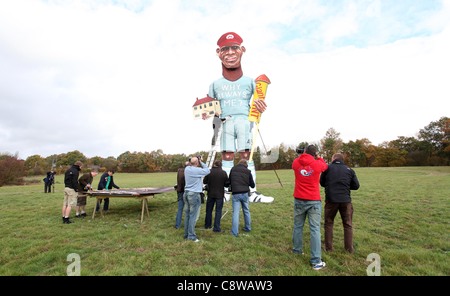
(401, 214)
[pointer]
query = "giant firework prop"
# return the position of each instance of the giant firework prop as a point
(254, 115)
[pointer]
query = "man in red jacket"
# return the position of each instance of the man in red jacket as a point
(307, 203)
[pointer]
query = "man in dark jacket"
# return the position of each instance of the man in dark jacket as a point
(181, 182)
(106, 182)
(49, 181)
(84, 185)
(241, 179)
(338, 180)
(215, 181)
(70, 190)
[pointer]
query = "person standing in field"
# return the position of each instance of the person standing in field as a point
(241, 180)
(181, 182)
(338, 180)
(84, 185)
(193, 175)
(307, 203)
(216, 182)
(70, 190)
(106, 182)
(49, 181)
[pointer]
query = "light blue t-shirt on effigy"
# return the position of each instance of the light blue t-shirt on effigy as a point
(234, 96)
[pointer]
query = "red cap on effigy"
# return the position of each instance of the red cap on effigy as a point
(229, 38)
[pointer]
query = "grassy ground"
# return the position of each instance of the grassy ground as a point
(401, 214)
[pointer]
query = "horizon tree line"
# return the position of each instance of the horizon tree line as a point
(430, 148)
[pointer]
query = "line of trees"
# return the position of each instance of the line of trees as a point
(430, 148)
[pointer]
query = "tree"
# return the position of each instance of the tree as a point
(354, 153)
(110, 163)
(11, 170)
(70, 158)
(301, 145)
(388, 156)
(35, 165)
(370, 152)
(408, 144)
(446, 141)
(435, 134)
(97, 161)
(331, 144)
(129, 162)
(412, 147)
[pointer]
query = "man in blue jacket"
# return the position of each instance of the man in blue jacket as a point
(193, 175)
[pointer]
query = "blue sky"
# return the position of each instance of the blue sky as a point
(105, 77)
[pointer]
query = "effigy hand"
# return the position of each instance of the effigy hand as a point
(260, 105)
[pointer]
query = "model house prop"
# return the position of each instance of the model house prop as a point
(206, 107)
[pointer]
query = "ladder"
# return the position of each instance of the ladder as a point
(211, 156)
(213, 151)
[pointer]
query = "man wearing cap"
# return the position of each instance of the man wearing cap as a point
(234, 91)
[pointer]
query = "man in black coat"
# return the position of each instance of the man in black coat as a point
(70, 190)
(106, 182)
(338, 180)
(181, 182)
(49, 181)
(241, 181)
(84, 185)
(215, 181)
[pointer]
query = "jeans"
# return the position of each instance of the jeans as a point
(105, 205)
(238, 200)
(192, 205)
(180, 210)
(313, 210)
(210, 202)
(346, 211)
